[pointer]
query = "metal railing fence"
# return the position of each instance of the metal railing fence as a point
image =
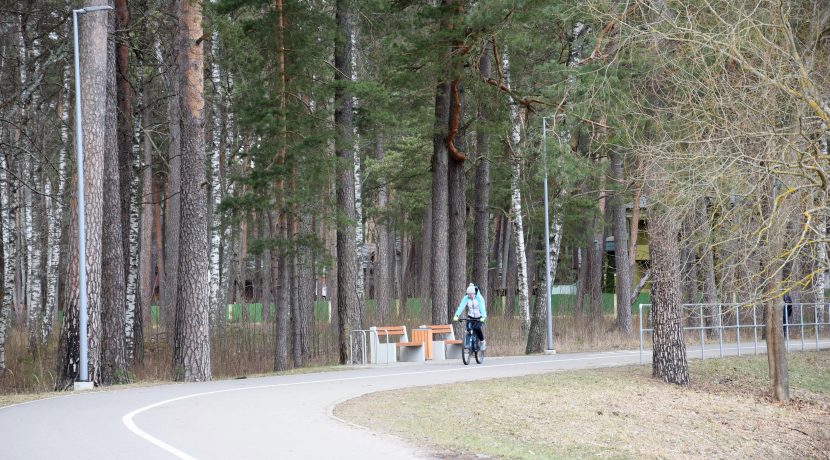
(731, 318)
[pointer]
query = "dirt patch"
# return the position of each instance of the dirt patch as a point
(616, 413)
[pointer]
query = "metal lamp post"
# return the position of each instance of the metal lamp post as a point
(83, 378)
(550, 348)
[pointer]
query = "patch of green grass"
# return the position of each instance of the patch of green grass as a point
(808, 371)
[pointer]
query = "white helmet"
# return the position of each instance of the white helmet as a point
(471, 289)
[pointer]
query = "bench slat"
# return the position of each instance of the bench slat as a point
(410, 344)
(391, 330)
(452, 341)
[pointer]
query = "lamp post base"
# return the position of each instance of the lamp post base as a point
(550, 352)
(83, 386)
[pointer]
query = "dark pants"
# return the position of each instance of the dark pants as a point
(476, 327)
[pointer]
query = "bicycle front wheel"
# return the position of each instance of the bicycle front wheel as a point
(465, 355)
(480, 356)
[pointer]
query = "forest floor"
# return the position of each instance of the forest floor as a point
(616, 412)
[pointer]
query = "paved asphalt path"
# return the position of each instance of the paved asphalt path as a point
(283, 417)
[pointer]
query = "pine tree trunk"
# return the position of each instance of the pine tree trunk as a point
(385, 248)
(536, 336)
(296, 323)
(481, 228)
(125, 123)
(172, 204)
(456, 190)
(772, 242)
(596, 259)
(624, 280)
(279, 224)
(305, 275)
(93, 42)
(68, 359)
(439, 286)
(669, 354)
(423, 261)
(707, 260)
(192, 344)
(688, 259)
(113, 281)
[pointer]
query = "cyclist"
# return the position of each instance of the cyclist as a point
(473, 302)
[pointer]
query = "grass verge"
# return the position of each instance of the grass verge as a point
(615, 413)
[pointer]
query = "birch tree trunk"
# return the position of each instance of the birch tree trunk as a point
(4, 308)
(518, 120)
(511, 283)
(192, 344)
(349, 308)
(57, 193)
(146, 272)
(216, 190)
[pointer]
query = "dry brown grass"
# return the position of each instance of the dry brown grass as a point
(243, 349)
(616, 413)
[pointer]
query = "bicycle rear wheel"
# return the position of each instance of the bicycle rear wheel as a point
(480, 356)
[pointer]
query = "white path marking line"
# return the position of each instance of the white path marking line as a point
(127, 419)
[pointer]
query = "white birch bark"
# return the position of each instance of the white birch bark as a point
(360, 237)
(215, 235)
(518, 117)
(8, 279)
(134, 236)
(55, 211)
(821, 277)
(31, 225)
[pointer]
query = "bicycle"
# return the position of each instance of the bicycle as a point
(471, 343)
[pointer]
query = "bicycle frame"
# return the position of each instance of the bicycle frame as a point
(470, 338)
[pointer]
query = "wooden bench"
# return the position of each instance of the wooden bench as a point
(444, 343)
(383, 347)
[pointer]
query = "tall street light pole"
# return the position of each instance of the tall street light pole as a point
(83, 335)
(549, 349)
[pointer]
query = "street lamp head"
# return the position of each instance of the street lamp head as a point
(92, 9)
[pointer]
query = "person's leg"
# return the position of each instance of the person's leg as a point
(480, 334)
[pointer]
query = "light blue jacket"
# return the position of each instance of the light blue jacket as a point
(463, 304)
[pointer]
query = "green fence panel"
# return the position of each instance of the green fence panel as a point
(413, 308)
(321, 310)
